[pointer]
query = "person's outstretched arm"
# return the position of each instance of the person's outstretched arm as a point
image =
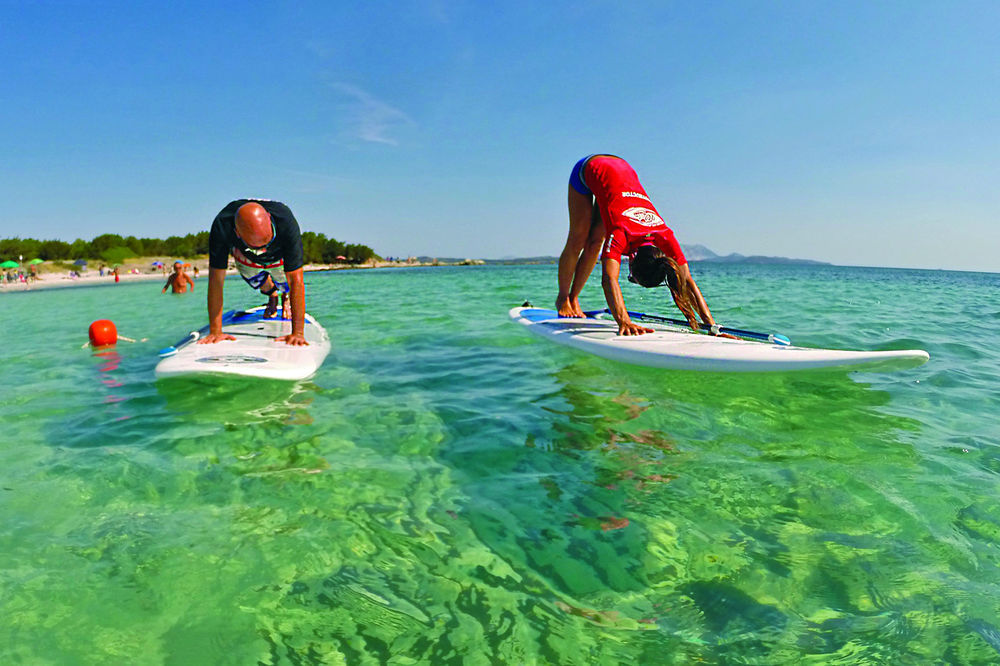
(699, 301)
(216, 283)
(297, 287)
(616, 304)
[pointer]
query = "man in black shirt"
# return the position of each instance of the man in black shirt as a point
(263, 238)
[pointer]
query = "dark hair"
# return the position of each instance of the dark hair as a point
(683, 295)
(649, 266)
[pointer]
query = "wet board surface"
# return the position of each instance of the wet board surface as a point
(254, 353)
(677, 348)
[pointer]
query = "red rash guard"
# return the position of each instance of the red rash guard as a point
(630, 219)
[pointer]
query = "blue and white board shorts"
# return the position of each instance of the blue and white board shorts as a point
(256, 275)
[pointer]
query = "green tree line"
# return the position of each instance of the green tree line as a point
(317, 248)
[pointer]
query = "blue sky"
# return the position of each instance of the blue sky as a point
(860, 133)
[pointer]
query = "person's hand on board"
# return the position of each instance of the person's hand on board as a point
(212, 338)
(630, 328)
(294, 339)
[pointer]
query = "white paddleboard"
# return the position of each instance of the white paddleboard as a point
(254, 353)
(679, 348)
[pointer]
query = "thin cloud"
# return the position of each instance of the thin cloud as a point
(439, 10)
(372, 118)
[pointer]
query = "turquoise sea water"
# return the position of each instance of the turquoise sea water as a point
(449, 489)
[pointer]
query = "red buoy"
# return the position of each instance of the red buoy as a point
(103, 333)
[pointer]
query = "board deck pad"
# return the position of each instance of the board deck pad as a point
(255, 352)
(677, 348)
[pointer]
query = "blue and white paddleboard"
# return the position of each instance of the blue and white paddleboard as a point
(679, 348)
(254, 353)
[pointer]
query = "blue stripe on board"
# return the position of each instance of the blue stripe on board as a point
(257, 315)
(538, 314)
(251, 317)
(246, 318)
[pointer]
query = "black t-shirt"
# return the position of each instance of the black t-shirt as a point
(286, 246)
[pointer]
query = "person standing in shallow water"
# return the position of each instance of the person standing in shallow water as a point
(264, 240)
(608, 206)
(178, 281)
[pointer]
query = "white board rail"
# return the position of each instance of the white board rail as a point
(255, 352)
(677, 348)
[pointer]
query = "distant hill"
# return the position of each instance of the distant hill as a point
(702, 253)
(736, 258)
(692, 252)
(698, 253)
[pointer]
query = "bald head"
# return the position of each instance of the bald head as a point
(253, 224)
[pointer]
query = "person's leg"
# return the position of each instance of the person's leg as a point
(588, 259)
(580, 213)
(278, 282)
(271, 309)
(269, 289)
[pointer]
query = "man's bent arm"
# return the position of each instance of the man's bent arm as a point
(297, 289)
(216, 285)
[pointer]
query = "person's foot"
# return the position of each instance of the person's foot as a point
(565, 308)
(272, 307)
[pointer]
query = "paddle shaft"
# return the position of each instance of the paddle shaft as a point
(194, 335)
(753, 335)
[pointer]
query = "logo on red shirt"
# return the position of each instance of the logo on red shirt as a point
(643, 216)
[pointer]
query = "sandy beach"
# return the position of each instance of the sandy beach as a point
(92, 278)
(51, 278)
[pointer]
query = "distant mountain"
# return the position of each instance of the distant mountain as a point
(698, 253)
(736, 258)
(692, 252)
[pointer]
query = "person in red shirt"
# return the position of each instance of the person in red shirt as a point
(608, 205)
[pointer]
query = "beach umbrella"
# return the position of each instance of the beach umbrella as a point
(80, 262)
(341, 257)
(36, 261)
(9, 264)
(157, 263)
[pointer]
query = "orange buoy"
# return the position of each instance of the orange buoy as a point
(103, 333)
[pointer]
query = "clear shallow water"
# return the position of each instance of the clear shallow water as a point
(450, 489)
